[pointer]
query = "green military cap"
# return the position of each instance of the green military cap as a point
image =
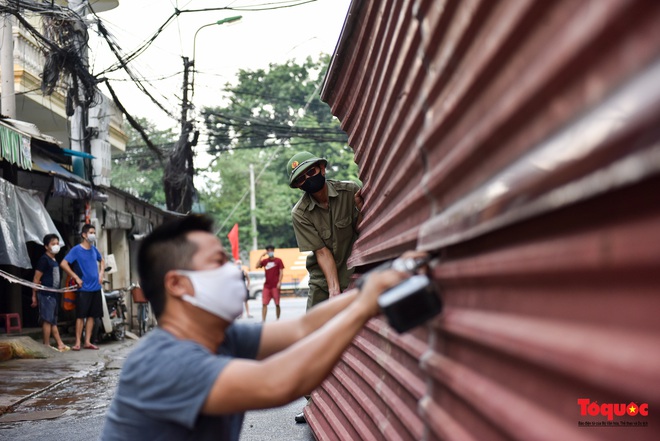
(300, 163)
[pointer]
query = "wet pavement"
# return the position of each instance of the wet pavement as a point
(65, 396)
(62, 384)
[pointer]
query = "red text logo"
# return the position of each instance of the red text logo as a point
(610, 410)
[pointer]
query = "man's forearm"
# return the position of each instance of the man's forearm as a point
(324, 311)
(304, 365)
(309, 361)
(67, 269)
(281, 334)
(327, 263)
(298, 369)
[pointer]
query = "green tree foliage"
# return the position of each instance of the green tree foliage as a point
(138, 171)
(271, 114)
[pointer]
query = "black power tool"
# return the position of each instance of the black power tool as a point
(413, 301)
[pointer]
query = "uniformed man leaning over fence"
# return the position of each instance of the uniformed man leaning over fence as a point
(325, 221)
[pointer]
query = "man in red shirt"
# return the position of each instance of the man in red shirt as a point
(273, 267)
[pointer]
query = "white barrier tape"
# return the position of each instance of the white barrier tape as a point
(14, 279)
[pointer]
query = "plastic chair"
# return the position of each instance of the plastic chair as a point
(8, 322)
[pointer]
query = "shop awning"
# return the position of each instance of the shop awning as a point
(47, 165)
(116, 219)
(15, 147)
(30, 130)
(74, 190)
(66, 184)
(16, 138)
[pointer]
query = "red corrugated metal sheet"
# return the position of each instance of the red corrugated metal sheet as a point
(520, 141)
(380, 380)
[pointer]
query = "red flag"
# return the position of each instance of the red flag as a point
(233, 240)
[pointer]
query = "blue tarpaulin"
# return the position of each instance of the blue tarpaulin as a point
(47, 165)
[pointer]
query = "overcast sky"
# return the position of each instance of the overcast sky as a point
(260, 38)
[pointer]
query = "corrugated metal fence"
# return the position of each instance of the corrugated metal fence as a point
(521, 141)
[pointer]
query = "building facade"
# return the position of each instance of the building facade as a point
(53, 178)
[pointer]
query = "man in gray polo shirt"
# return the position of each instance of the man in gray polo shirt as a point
(194, 376)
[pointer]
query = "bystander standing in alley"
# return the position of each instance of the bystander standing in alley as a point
(91, 265)
(274, 269)
(47, 274)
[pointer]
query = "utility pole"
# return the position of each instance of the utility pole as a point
(12, 299)
(8, 100)
(179, 171)
(7, 67)
(185, 105)
(253, 208)
(79, 119)
(178, 179)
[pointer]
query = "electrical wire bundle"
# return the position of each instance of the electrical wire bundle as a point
(62, 41)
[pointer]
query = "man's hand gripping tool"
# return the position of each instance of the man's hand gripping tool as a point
(413, 301)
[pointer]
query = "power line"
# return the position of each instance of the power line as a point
(124, 65)
(149, 80)
(252, 123)
(268, 162)
(145, 45)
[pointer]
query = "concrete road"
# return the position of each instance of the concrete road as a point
(290, 307)
(277, 424)
(61, 397)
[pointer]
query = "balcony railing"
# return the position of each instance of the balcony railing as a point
(26, 53)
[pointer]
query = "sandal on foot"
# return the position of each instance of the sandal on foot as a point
(91, 346)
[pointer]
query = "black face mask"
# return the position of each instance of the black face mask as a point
(314, 184)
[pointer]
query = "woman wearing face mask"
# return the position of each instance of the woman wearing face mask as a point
(195, 375)
(47, 273)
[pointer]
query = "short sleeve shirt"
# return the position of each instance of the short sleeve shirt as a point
(87, 260)
(334, 228)
(272, 269)
(51, 273)
(165, 382)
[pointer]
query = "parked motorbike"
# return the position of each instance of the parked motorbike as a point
(113, 323)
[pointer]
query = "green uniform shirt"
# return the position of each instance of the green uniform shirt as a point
(334, 228)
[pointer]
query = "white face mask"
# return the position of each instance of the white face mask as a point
(55, 249)
(220, 291)
(91, 238)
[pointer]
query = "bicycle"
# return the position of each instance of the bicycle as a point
(144, 317)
